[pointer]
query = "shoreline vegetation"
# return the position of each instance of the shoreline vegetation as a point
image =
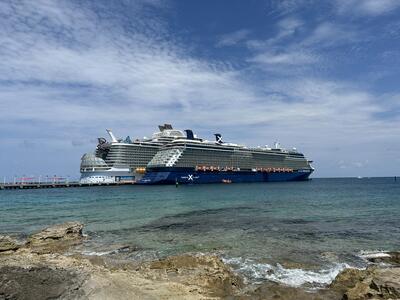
(43, 267)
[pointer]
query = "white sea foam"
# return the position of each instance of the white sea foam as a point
(292, 277)
(369, 257)
(109, 252)
(373, 254)
(95, 253)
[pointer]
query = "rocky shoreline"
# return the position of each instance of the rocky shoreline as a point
(41, 268)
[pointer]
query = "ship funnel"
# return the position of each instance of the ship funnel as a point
(218, 138)
(189, 134)
(112, 136)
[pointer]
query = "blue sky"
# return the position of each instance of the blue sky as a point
(322, 76)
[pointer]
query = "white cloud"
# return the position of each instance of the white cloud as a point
(354, 164)
(286, 7)
(142, 68)
(67, 74)
(233, 38)
(367, 7)
(285, 58)
(288, 26)
(327, 34)
(112, 77)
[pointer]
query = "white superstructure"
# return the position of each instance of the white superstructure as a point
(124, 159)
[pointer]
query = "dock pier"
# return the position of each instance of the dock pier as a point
(49, 185)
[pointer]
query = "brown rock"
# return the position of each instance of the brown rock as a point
(272, 291)
(8, 244)
(386, 283)
(188, 262)
(38, 283)
(348, 279)
(206, 271)
(57, 238)
(360, 291)
(394, 257)
(372, 283)
(30, 273)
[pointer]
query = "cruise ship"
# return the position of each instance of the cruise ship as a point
(192, 160)
(123, 159)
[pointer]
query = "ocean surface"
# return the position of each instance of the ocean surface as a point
(297, 233)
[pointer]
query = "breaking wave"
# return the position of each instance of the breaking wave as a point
(254, 271)
(95, 253)
(373, 254)
(110, 252)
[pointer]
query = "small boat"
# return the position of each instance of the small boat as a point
(226, 181)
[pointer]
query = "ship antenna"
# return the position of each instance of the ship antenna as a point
(112, 136)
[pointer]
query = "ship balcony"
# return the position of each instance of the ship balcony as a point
(166, 158)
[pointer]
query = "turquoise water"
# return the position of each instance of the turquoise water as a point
(320, 225)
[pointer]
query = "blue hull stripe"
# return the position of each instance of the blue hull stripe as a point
(171, 176)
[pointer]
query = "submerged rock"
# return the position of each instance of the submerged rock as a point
(8, 244)
(56, 238)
